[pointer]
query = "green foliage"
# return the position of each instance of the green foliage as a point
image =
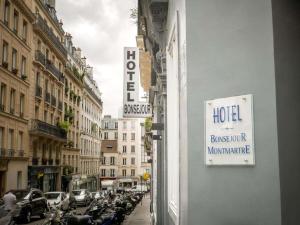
(65, 125)
(148, 124)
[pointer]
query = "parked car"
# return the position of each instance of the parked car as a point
(57, 199)
(33, 203)
(82, 197)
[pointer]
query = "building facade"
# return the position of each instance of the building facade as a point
(109, 153)
(15, 36)
(73, 89)
(91, 133)
(46, 93)
(49, 102)
(204, 50)
(129, 148)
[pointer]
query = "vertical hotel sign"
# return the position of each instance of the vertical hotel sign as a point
(229, 136)
(132, 107)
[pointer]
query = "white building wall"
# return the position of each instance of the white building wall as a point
(128, 127)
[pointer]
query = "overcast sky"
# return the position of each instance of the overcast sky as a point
(101, 28)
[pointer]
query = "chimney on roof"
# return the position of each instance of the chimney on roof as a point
(83, 60)
(51, 3)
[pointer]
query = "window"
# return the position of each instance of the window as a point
(132, 172)
(112, 160)
(1, 137)
(20, 140)
(103, 172)
(19, 180)
(45, 115)
(10, 139)
(116, 125)
(6, 12)
(124, 125)
(105, 135)
(12, 101)
(106, 125)
(14, 60)
(23, 66)
(132, 124)
(124, 136)
(124, 173)
(5, 54)
(124, 148)
(16, 22)
(103, 160)
(22, 100)
(36, 112)
(112, 172)
(132, 161)
(116, 135)
(2, 97)
(132, 148)
(132, 136)
(24, 30)
(124, 161)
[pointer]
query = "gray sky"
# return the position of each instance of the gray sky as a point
(101, 28)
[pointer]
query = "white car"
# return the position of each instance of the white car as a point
(58, 200)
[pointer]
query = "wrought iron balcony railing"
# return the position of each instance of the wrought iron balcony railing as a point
(51, 67)
(47, 129)
(40, 57)
(41, 25)
(11, 153)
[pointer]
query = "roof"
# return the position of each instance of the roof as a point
(109, 146)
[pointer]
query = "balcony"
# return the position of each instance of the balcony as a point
(11, 153)
(38, 91)
(40, 57)
(53, 101)
(52, 69)
(41, 26)
(44, 129)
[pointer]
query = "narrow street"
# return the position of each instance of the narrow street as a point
(141, 214)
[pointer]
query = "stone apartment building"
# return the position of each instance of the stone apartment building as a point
(109, 153)
(90, 134)
(46, 96)
(50, 112)
(15, 67)
(74, 73)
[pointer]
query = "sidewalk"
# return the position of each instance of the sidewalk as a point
(141, 214)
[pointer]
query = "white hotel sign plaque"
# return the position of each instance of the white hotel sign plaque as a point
(229, 138)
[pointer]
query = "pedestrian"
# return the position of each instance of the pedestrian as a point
(9, 201)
